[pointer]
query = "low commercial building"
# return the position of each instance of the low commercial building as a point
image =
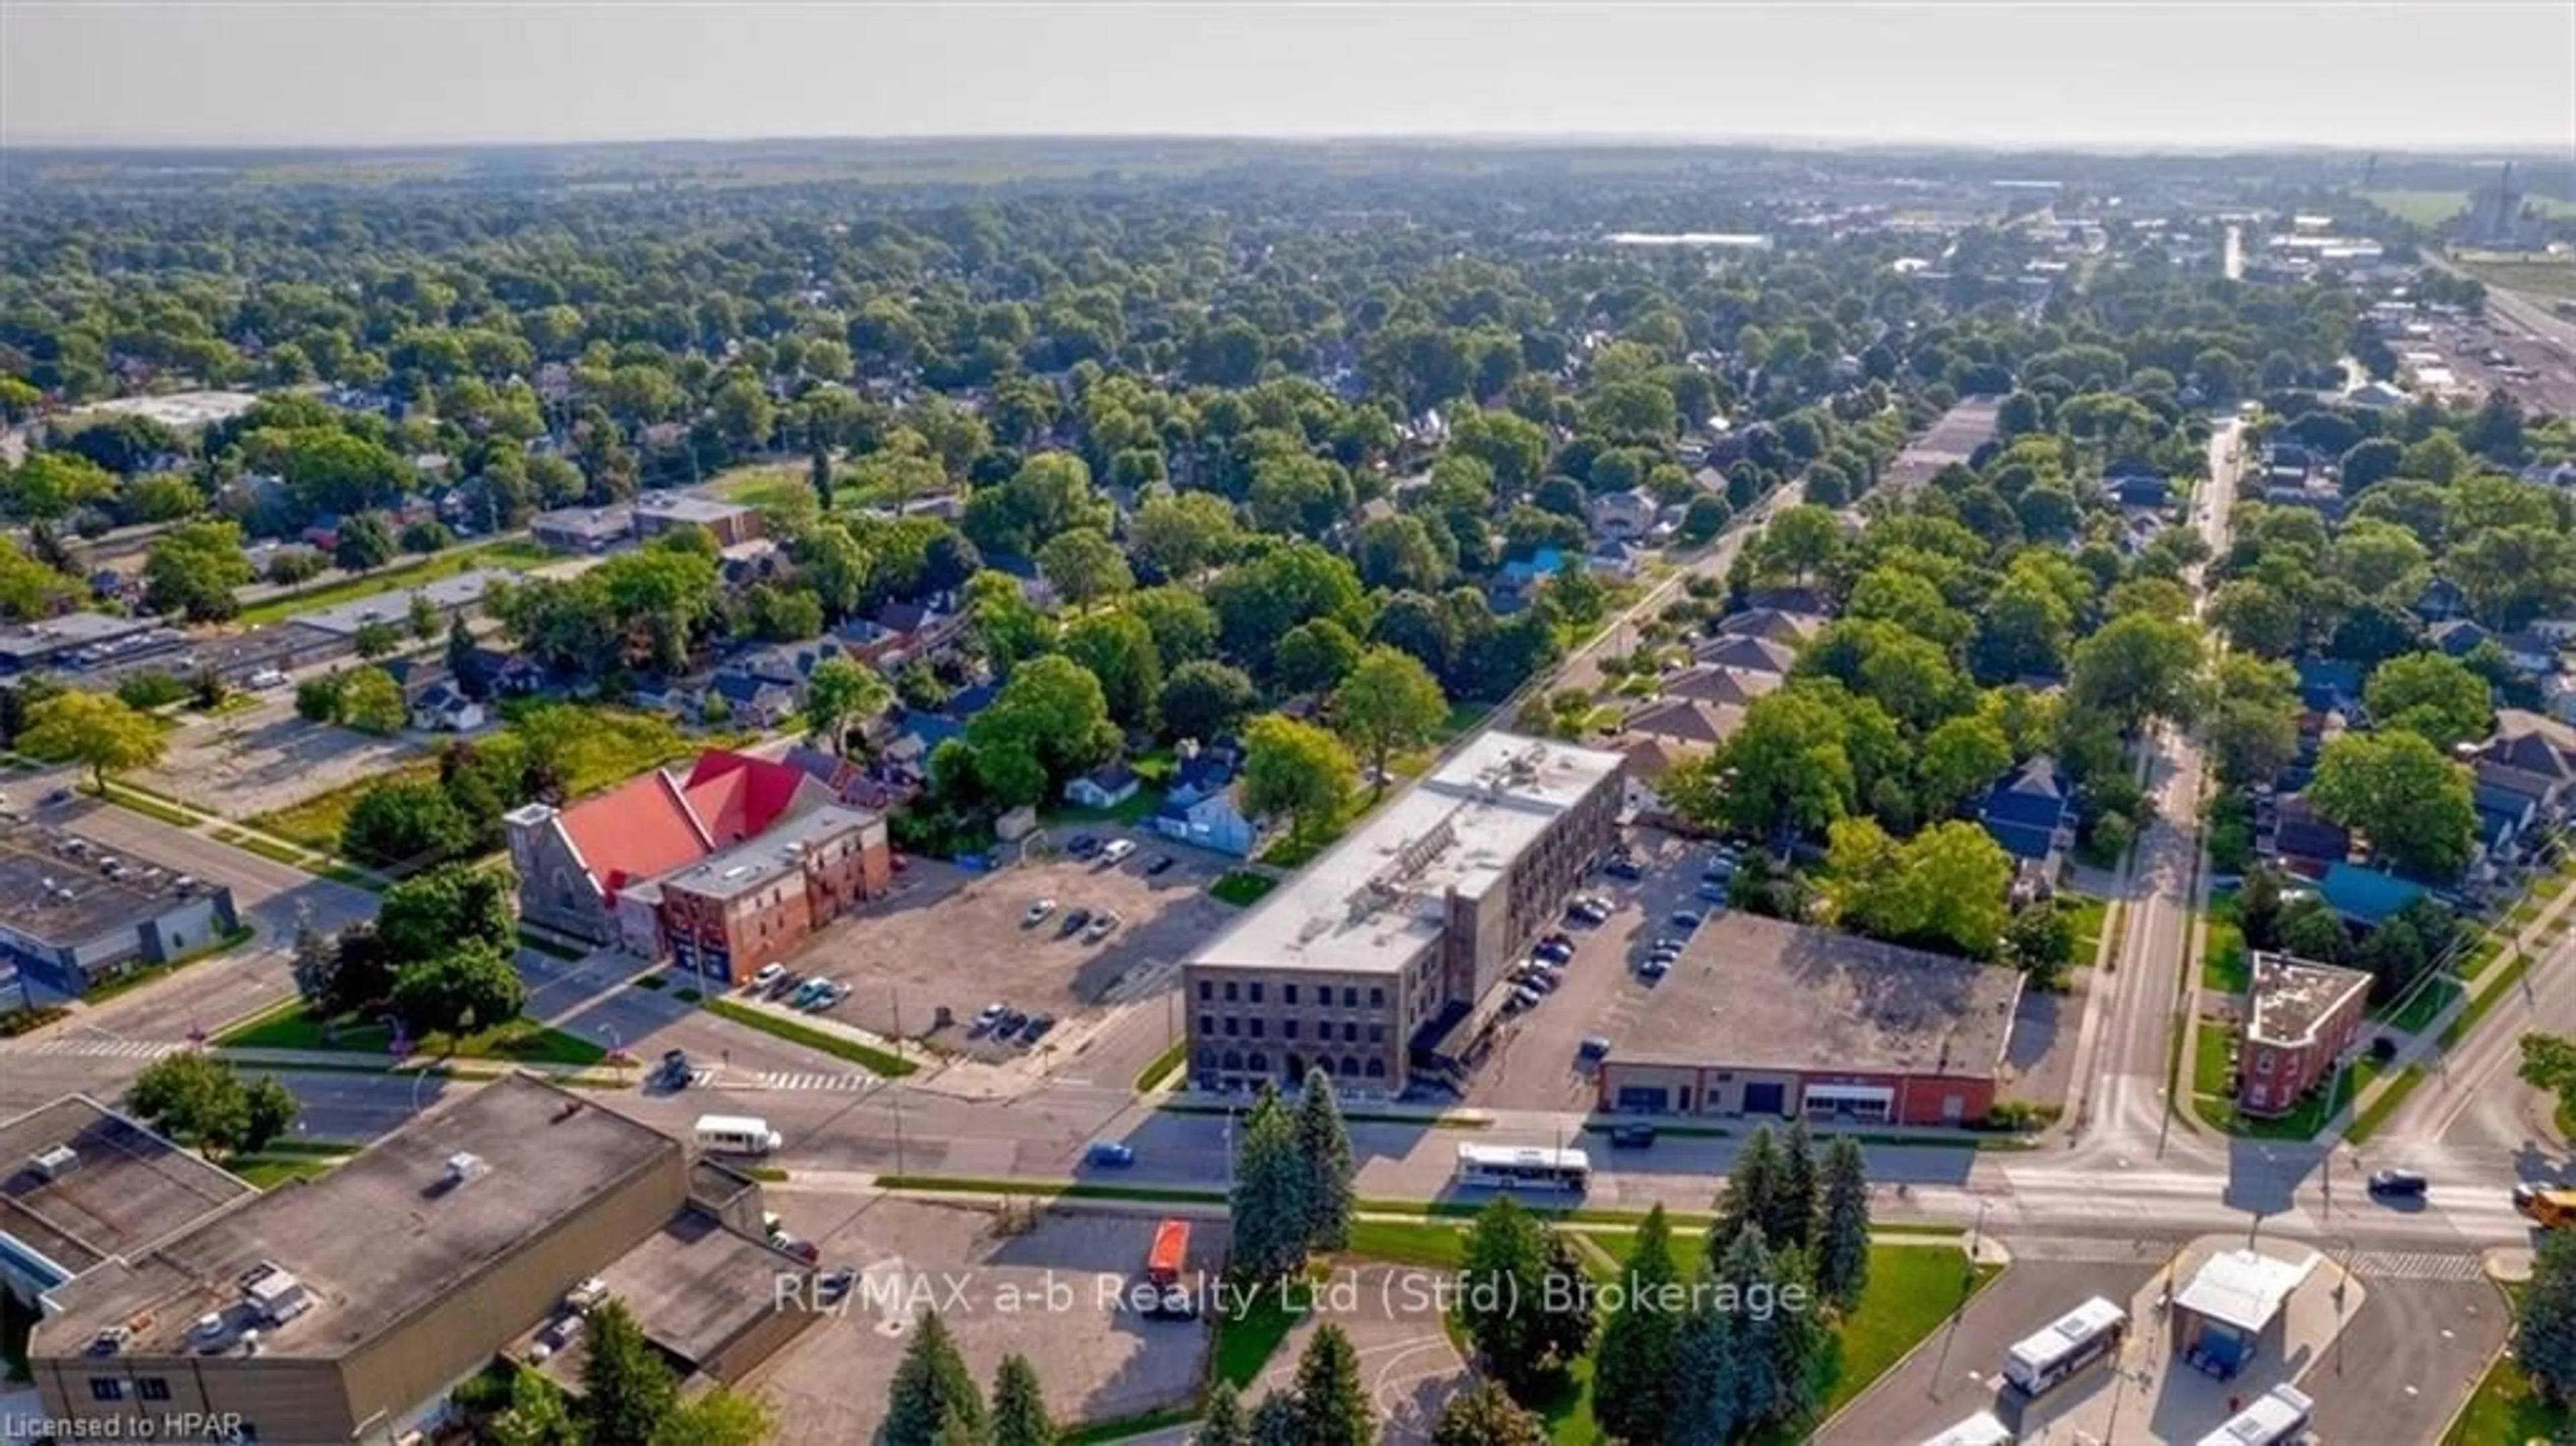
(52, 643)
(451, 596)
(2303, 1017)
(730, 523)
(1765, 1018)
(584, 529)
(86, 1185)
(1386, 957)
(75, 913)
(347, 1307)
(2225, 1314)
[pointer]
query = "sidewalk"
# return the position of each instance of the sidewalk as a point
(2428, 1043)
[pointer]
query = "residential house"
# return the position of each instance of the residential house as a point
(753, 702)
(2306, 842)
(2143, 489)
(2330, 686)
(2529, 652)
(754, 560)
(442, 707)
(1651, 757)
(878, 783)
(2457, 637)
(2531, 755)
(1787, 628)
(2505, 819)
(2558, 696)
(2551, 474)
(1107, 786)
(1626, 515)
(2364, 896)
(1214, 819)
(2378, 396)
(1747, 654)
(1686, 721)
(1729, 687)
(2441, 598)
(1520, 579)
(2030, 812)
(2291, 464)
(1614, 559)
(1789, 598)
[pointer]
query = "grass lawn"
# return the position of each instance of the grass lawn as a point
(1126, 813)
(1241, 887)
(2552, 279)
(2367, 1121)
(2505, 984)
(521, 1040)
(269, 1171)
(2419, 1010)
(2090, 916)
(2223, 966)
(400, 575)
(1293, 849)
(2475, 962)
(2209, 1071)
(315, 823)
(876, 1060)
(148, 806)
(2422, 208)
(1162, 1067)
(1912, 1290)
(2218, 1111)
(2504, 1411)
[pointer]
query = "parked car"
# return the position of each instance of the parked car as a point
(991, 1015)
(832, 1284)
(765, 976)
(268, 678)
(1712, 893)
(1632, 1137)
(1594, 1046)
(2399, 1184)
(1009, 1024)
(1623, 867)
(807, 992)
(1554, 952)
(1038, 911)
(1102, 925)
(1115, 852)
(1158, 865)
(1655, 968)
(675, 1071)
(1074, 921)
(1688, 922)
(1114, 1154)
(1083, 846)
(1523, 997)
(1036, 1029)
(784, 985)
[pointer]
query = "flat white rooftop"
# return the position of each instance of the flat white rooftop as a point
(1379, 897)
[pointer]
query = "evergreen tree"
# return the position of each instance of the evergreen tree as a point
(1332, 1405)
(1635, 1381)
(1746, 1267)
(2544, 1335)
(819, 471)
(933, 1397)
(1506, 1299)
(465, 661)
(1324, 1145)
(1841, 1248)
(1269, 1206)
(626, 1388)
(1752, 1184)
(1223, 1423)
(315, 959)
(1277, 1422)
(1790, 1218)
(1566, 1318)
(1486, 1416)
(718, 1418)
(1019, 1406)
(957, 1431)
(1704, 1386)
(537, 1416)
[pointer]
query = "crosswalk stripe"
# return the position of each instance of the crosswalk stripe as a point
(105, 1048)
(2416, 1265)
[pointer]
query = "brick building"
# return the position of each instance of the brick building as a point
(1385, 957)
(2304, 1017)
(758, 902)
(1760, 1017)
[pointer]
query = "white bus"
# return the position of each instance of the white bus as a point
(1524, 1167)
(737, 1135)
(2278, 1417)
(1981, 1429)
(2080, 1337)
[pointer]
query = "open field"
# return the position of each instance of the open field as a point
(503, 552)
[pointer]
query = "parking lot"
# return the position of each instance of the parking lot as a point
(266, 758)
(1536, 1063)
(2404, 1363)
(995, 1290)
(956, 941)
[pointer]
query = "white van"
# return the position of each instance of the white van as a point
(736, 1135)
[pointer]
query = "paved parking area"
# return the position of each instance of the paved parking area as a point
(956, 941)
(995, 1293)
(266, 758)
(2408, 1358)
(1534, 1065)
(1950, 1379)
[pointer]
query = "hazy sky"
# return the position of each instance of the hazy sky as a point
(354, 72)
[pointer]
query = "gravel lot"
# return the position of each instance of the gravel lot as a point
(264, 759)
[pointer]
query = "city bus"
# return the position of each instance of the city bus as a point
(1981, 1429)
(1524, 1167)
(2278, 1417)
(2078, 1338)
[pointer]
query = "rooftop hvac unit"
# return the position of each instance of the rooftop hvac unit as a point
(57, 1162)
(465, 1166)
(276, 1296)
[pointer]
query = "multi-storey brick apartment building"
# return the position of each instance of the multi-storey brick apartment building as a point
(1386, 957)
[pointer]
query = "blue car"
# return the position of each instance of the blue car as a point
(1110, 1153)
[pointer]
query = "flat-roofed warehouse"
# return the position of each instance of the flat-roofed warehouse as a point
(1762, 1017)
(74, 912)
(86, 1185)
(1385, 957)
(348, 1306)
